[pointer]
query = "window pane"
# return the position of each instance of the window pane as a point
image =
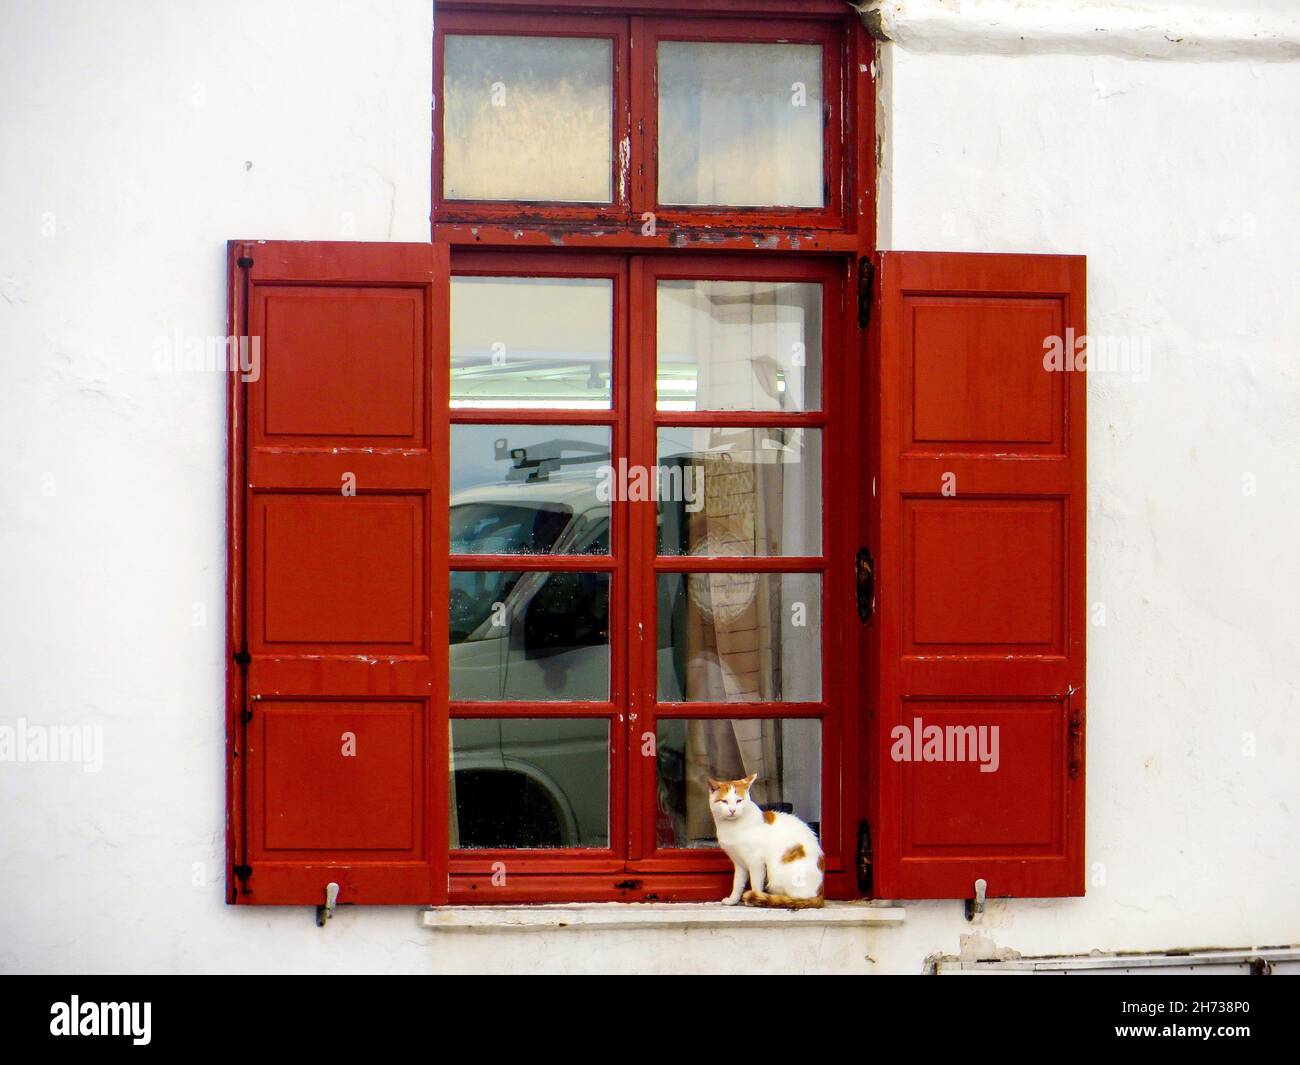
(528, 490)
(786, 753)
(531, 341)
(740, 637)
(735, 491)
(740, 124)
(529, 636)
(529, 782)
(527, 118)
(739, 345)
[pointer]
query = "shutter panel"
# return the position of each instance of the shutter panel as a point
(338, 732)
(981, 610)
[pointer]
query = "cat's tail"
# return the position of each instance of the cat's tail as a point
(762, 898)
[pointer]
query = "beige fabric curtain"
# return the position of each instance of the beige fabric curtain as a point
(733, 632)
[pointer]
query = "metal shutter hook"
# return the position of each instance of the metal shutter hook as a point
(324, 913)
(976, 905)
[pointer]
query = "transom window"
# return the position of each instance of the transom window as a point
(603, 117)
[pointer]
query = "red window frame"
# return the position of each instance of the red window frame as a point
(847, 106)
(633, 860)
(829, 243)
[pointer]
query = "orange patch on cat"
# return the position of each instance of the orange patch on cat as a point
(794, 853)
(821, 864)
(769, 816)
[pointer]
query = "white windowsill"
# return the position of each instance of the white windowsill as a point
(653, 915)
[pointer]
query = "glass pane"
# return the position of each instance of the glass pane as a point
(529, 490)
(531, 341)
(739, 345)
(527, 118)
(733, 491)
(740, 124)
(529, 636)
(740, 637)
(529, 782)
(786, 753)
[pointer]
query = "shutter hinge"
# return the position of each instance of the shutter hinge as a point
(864, 857)
(242, 874)
(864, 574)
(1076, 743)
(866, 290)
(325, 912)
(242, 659)
(244, 262)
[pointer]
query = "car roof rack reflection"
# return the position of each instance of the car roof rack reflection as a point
(538, 462)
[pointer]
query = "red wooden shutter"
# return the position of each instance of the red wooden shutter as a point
(980, 592)
(338, 605)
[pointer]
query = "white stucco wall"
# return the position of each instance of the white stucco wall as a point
(137, 137)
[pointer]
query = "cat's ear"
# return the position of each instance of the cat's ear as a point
(714, 785)
(749, 780)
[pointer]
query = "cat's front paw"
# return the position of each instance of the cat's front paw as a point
(731, 900)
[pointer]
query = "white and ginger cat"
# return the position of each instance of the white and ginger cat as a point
(776, 853)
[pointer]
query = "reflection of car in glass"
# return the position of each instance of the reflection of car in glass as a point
(543, 636)
(531, 782)
(530, 635)
(519, 635)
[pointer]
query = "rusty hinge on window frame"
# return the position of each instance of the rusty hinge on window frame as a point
(242, 657)
(864, 858)
(866, 290)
